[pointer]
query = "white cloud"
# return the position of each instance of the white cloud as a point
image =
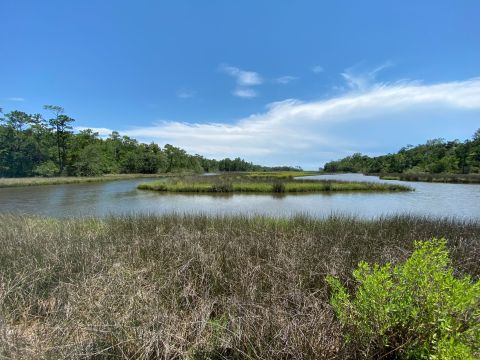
(185, 93)
(317, 69)
(244, 93)
(285, 79)
(14, 98)
(361, 80)
(243, 78)
(311, 133)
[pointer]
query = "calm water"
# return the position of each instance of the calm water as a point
(122, 197)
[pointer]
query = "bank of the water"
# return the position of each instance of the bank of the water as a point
(195, 286)
(435, 178)
(60, 180)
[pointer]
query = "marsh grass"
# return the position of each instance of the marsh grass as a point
(171, 287)
(438, 178)
(243, 183)
(279, 174)
(36, 181)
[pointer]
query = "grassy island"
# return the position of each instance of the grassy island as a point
(262, 183)
(195, 287)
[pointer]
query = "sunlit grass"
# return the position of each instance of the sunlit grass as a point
(341, 186)
(246, 184)
(279, 174)
(144, 287)
(35, 181)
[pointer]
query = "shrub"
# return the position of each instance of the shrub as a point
(417, 309)
(47, 169)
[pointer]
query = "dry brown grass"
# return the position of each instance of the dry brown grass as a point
(195, 287)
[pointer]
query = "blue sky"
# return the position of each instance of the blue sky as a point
(275, 82)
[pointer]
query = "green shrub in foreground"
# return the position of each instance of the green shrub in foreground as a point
(415, 310)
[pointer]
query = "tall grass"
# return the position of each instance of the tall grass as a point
(279, 174)
(176, 286)
(439, 178)
(36, 181)
(229, 184)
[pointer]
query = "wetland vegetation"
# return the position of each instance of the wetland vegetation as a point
(35, 181)
(282, 182)
(438, 178)
(197, 287)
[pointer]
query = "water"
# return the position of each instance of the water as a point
(122, 197)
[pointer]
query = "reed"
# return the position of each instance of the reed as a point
(438, 178)
(280, 174)
(194, 287)
(246, 184)
(37, 181)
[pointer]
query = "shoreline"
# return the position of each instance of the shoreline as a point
(61, 180)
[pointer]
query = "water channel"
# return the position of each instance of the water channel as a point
(123, 197)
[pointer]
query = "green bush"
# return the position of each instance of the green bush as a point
(415, 310)
(47, 169)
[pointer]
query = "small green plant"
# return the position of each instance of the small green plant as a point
(415, 310)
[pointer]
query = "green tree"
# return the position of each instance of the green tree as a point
(19, 149)
(60, 124)
(476, 136)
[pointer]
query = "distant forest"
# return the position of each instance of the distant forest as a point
(435, 157)
(33, 146)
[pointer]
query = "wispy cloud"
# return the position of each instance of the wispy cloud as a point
(185, 93)
(285, 79)
(317, 69)
(244, 81)
(243, 78)
(359, 79)
(244, 93)
(311, 133)
(15, 98)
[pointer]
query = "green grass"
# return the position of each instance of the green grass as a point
(244, 183)
(280, 174)
(389, 177)
(145, 287)
(319, 186)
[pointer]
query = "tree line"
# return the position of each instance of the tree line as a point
(31, 145)
(435, 157)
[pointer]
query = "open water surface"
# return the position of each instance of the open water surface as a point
(122, 197)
